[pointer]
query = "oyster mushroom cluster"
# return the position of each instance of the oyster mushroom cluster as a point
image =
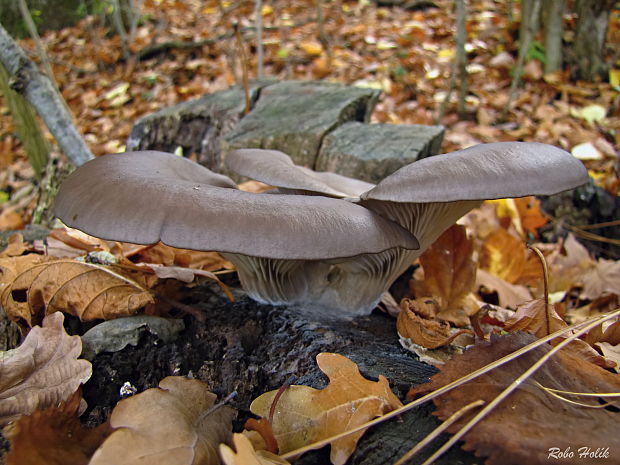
(320, 240)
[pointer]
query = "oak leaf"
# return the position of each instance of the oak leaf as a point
(304, 415)
(85, 290)
(524, 427)
(54, 436)
(43, 371)
(173, 424)
(244, 454)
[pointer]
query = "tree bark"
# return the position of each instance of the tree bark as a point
(593, 18)
(554, 21)
(40, 92)
(26, 124)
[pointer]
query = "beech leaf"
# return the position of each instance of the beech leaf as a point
(172, 424)
(449, 270)
(54, 436)
(43, 371)
(531, 423)
(85, 290)
(304, 415)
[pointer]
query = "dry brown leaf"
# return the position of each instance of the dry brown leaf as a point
(528, 424)
(532, 317)
(85, 290)
(244, 454)
(43, 371)
(173, 424)
(449, 273)
(15, 246)
(11, 220)
(304, 415)
(611, 352)
(577, 268)
(509, 295)
(418, 322)
(503, 255)
(54, 436)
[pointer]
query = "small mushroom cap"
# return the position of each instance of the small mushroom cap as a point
(485, 171)
(277, 169)
(145, 197)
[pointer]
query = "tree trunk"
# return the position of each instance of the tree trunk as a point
(553, 11)
(26, 124)
(593, 18)
(40, 92)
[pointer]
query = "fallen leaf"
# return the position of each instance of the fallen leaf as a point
(172, 424)
(187, 275)
(509, 295)
(576, 268)
(611, 352)
(15, 246)
(503, 255)
(244, 454)
(526, 426)
(449, 274)
(10, 220)
(532, 317)
(417, 323)
(530, 215)
(54, 436)
(311, 47)
(304, 415)
(115, 335)
(85, 290)
(43, 371)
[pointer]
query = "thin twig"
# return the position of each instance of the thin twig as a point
(258, 21)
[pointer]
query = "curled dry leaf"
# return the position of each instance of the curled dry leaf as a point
(244, 454)
(85, 290)
(530, 422)
(41, 372)
(54, 436)
(449, 274)
(173, 424)
(15, 246)
(304, 415)
(417, 322)
(577, 268)
(532, 317)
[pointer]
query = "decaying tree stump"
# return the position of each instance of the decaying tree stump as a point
(251, 348)
(320, 125)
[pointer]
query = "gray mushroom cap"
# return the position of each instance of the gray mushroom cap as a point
(277, 169)
(481, 172)
(145, 197)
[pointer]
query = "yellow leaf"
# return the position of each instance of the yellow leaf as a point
(614, 77)
(266, 10)
(304, 415)
(312, 48)
(246, 455)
